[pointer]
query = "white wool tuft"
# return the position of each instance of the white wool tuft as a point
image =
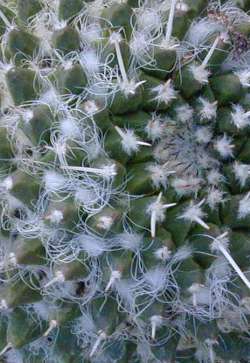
(194, 213)
(128, 87)
(7, 183)
(85, 196)
(187, 185)
(90, 107)
(156, 278)
(129, 142)
(214, 177)
(91, 33)
(241, 172)
(214, 197)
(182, 253)
(244, 206)
(200, 73)
(158, 208)
(128, 241)
(114, 276)
(203, 135)
(90, 61)
(224, 146)
(42, 310)
(182, 7)
(200, 32)
(69, 128)
(159, 175)
(148, 19)
(165, 92)
(244, 77)
(51, 98)
(105, 222)
(155, 128)
(27, 115)
(54, 182)
(163, 253)
(94, 246)
(240, 118)
(184, 113)
(208, 110)
(139, 46)
(55, 217)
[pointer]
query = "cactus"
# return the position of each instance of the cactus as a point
(125, 181)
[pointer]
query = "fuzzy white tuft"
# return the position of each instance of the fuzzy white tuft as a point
(90, 107)
(163, 253)
(55, 217)
(240, 117)
(200, 32)
(156, 278)
(7, 183)
(241, 172)
(105, 222)
(128, 241)
(244, 77)
(85, 196)
(94, 246)
(90, 61)
(203, 135)
(193, 213)
(184, 113)
(208, 109)
(214, 197)
(155, 128)
(224, 146)
(69, 128)
(54, 182)
(130, 142)
(165, 92)
(214, 177)
(14, 356)
(200, 73)
(91, 32)
(148, 19)
(187, 185)
(159, 175)
(182, 254)
(244, 206)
